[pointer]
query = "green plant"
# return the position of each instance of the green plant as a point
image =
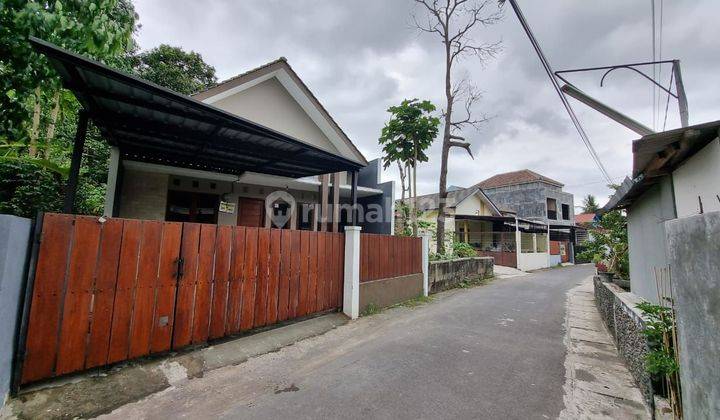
(405, 138)
(370, 309)
(418, 301)
(661, 360)
(609, 244)
(463, 250)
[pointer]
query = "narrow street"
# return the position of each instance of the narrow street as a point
(494, 351)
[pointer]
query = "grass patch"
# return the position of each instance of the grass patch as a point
(473, 282)
(370, 309)
(418, 301)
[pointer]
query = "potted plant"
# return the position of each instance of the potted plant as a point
(603, 272)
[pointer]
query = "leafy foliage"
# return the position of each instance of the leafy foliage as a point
(38, 117)
(175, 69)
(405, 137)
(609, 243)
(590, 204)
(412, 126)
(660, 360)
(464, 250)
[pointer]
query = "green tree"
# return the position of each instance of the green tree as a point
(37, 116)
(590, 204)
(175, 69)
(405, 137)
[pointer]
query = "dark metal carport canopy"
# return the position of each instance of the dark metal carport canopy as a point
(149, 123)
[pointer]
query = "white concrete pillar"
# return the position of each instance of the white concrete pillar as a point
(113, 168)
(351, 291)
(425, 262)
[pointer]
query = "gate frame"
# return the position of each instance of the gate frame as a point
(24, 311)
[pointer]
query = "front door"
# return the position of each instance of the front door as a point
(251, 212)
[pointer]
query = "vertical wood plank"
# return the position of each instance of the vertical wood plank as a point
(104, 293)
(274, 276)
(263, 256)
(363, 257)
(328, 299)
(250, 278)
(223, 249)
(333, 272)
(142, 317)
(78, 295)
(50, 273)
(127, 272)
(166, 287)
(203, 289)
(322, 268)
(312, 273)
(285, 274)
(303, 283)
(295, 275)
(185, 301)
(236, 280)
(340, 264)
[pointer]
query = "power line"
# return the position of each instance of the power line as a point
(566, 104)
(654, 58)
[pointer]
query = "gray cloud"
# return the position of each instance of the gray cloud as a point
(361, 57)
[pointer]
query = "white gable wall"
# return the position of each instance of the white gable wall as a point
(269, 103)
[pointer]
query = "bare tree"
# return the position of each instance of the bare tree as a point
(453, 22)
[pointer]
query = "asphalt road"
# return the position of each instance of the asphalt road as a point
(494, 352)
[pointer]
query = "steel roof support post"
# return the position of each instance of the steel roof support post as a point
(680, 90)
(76, 160)
(353, 198)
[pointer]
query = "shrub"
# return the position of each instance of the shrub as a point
(463, 250)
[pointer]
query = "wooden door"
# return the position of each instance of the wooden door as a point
(251, 212)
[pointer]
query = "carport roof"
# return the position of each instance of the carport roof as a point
(149, 123)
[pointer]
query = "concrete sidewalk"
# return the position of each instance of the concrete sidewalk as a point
(597, 385)
(100, 391)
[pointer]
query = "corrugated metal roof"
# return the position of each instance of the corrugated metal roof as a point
(149, 123)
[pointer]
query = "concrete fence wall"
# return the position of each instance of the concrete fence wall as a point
(625, 322)
(14, 248)
(445, 274)
(693, 249)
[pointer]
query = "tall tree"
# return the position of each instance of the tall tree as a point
(590, 204)
(454, 21)
(405, 138)
(175, 69)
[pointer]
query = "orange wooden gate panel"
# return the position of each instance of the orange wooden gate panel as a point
(122, 289)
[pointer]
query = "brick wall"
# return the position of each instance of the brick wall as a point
(144, 195)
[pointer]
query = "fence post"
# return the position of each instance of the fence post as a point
(351, 291)
(425, 262)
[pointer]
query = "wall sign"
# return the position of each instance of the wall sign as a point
(227, 207)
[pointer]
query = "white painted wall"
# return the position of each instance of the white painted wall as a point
(473, 206)
(532, 260)
(698, 176)
(270, 104)
(646, 237)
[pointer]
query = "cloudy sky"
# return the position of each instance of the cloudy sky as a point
(360, 57)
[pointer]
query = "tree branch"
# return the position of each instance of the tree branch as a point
(462, 144)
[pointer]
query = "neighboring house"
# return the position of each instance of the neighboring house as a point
(531, 196)
(583, 224)
(275, 97)
(473, 218)
(676, 174)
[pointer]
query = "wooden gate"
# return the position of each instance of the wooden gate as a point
(112, 291)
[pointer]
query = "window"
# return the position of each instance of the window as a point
(565, 212)
(551, 209)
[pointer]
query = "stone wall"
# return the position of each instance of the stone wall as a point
(446, 274)
(625, 323)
